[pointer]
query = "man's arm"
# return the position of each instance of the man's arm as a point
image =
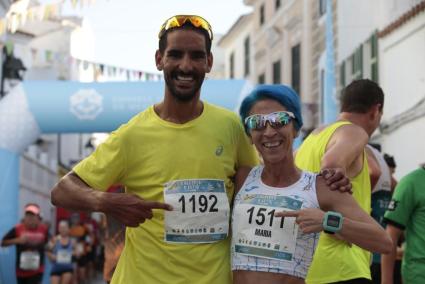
(345, 150)
(388, 260)
(11, 242)
(74, 194)
(393, 183)
(11, 239)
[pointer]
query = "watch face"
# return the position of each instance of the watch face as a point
(333, 221)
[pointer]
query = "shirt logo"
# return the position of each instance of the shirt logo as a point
(251, 188)
(219, 150)
(393, 205)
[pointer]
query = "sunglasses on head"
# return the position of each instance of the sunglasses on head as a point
(180, 20)
(275, 119)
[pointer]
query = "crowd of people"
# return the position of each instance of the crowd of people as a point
(200, 207)
(74, 252)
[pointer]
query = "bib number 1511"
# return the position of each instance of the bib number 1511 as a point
(262, 215)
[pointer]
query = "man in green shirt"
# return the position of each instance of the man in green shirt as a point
(406, 212)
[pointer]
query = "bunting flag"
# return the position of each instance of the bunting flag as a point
(9, 47)
(98, 69)
(2, 26)
(48, 55)
(20, 13)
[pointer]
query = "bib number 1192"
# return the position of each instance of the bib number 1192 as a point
(200, 203)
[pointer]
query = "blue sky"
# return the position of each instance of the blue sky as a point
(125, 31)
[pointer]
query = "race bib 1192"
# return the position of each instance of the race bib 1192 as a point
(201, 211)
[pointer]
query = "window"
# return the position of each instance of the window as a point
(246, 54)
(276, 72)
(262, 15)
(232, 65)
(277, 5)
(374, 72)
(357, 63)
(296, 68)
(322, 95)
(374, 58)
(374, 46)
(342, 74)
(261, 79)
(322, 7)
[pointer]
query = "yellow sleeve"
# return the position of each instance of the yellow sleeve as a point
(107, 165)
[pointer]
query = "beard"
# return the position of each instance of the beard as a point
(183, 95)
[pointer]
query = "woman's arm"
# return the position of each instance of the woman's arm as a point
(49, 250)
(358, 227)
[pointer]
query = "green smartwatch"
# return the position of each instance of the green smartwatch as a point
(332, 222)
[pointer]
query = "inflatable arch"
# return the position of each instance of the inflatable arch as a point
(33, 108)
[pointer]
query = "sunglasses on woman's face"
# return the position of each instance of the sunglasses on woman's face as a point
(276, 119)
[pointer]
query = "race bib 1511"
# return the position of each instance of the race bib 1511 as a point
(258, 232)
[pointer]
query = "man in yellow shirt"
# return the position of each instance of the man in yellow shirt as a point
(342, 145)
(177, 160)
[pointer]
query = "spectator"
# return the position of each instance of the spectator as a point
(30, 237)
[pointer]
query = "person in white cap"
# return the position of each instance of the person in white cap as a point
(30, 237)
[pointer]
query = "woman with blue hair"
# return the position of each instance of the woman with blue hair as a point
(280, 210)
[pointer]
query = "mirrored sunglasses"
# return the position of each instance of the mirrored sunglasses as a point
(180, 20)
(275, 119)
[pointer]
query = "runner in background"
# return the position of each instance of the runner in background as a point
(113, 240)
(91, 240)
(61, 250)
(30, 237)
(406, 212)
(381, 197)
(79, 233)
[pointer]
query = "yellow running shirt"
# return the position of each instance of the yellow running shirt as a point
(145, 154)
(335, 260)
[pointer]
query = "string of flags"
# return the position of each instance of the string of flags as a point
(36, 58)
(20, 13)
(110, 71)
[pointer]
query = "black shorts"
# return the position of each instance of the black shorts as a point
(60, 272)
(36, 279)
(375, 270)
(91, 256)
(82, 261)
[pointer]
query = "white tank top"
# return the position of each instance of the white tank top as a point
(384, 181)
(261, 242)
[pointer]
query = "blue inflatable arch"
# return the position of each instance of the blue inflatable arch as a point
(33, 108)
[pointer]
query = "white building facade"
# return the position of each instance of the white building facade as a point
(402, 76)
(387, 45)
(380, 40)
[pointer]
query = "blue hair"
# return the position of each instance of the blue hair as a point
(283, 94)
